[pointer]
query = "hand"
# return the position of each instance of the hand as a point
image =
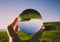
(36, 37)
(12, 30)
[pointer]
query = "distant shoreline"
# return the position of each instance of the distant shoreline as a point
(2, 30)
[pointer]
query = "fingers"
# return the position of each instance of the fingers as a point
(14, 22)
(10, 28)
(38, 34)
(43, 28)
(16, 29)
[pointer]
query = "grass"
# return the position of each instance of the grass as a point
(47, 36)
(3, 37)
(51, 36)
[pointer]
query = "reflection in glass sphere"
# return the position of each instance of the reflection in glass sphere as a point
(30, 21)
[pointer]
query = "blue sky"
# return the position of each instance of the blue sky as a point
(9, 9)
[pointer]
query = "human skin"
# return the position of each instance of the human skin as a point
(12, 30)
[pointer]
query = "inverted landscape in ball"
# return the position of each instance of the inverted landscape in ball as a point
(30, 21)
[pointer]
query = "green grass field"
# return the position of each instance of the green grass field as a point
(52, 35)
(47, 36)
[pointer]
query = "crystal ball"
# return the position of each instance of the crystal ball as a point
(30, 21)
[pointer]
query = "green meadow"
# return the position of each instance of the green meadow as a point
(51, 33)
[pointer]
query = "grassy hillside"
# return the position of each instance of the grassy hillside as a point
(52, 35)
(52, 25)
(28, 14)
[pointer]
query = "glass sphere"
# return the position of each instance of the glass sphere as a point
(30, 21)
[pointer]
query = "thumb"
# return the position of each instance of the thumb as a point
(14, 22)
(16, 28)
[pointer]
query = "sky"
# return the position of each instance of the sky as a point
(9, 9)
